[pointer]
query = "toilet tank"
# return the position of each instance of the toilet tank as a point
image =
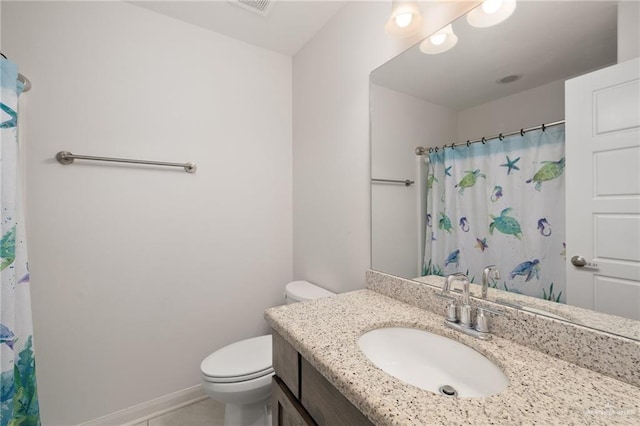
(299, 291)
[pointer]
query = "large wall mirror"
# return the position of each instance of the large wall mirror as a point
(498, 195)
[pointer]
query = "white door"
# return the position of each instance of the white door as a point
(603, 189)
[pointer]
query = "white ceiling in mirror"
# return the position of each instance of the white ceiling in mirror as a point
(551, 41)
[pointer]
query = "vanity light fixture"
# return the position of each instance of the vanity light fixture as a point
(405, 19)
(439, 42)
(491, 13)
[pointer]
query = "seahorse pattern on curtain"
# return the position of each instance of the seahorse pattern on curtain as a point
(18, 393)
(500, 203)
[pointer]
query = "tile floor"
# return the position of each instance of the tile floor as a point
(204, 413)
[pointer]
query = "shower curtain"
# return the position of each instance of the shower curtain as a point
(18, 394)
(502, 203)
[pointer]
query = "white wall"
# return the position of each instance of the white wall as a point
(400, 123)
(331, 152)
(138, 273)
(628, 30)
(542, 104)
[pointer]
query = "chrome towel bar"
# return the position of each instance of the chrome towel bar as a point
(406, 182)
(65, 157)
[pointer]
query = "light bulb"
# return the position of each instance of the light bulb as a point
(491, 6)
(490, 13)
(438, 39)
(440, 42)
(404, 19)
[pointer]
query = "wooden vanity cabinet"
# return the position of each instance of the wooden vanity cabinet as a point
(302, 396)
(285, 408)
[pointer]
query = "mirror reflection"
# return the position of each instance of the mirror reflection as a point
(486, 106)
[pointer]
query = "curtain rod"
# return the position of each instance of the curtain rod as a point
(21, 78)
(422, 150)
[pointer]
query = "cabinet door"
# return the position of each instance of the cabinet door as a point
(286, 363)
(325, 403)
(286, 410)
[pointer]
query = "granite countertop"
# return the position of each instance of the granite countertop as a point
(542, 389)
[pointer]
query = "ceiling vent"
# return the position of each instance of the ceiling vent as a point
(261, 7)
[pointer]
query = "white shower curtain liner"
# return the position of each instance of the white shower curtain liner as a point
(500, 203)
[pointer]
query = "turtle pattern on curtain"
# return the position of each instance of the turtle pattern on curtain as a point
(502, 203)
(18, 394)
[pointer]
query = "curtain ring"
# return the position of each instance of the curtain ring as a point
(453, 146)
(468, 144)
(522, 132)
(500, 136)
(430, 150)
(436, 149)
(543, 127)
(483, 140)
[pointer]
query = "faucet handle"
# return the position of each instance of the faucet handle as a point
(482, 321)
(452, 309)
(483, 309)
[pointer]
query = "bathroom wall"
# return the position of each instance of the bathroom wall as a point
(628, 30)
(331, 170)
(138, 273)
(400, 123)
(542, 104)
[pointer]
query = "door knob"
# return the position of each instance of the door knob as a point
(580, 261)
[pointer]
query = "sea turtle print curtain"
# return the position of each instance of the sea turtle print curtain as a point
(500, 202)
(18, 395)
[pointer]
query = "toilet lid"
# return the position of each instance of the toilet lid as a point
(304, 290)
(243, 360)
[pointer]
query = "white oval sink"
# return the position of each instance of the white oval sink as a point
(430, 362)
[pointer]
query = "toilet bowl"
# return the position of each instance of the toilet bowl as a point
(240, 374)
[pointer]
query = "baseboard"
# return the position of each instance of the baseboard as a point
(150, 409)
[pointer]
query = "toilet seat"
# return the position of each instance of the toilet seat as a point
(238, 362)
(236, 379)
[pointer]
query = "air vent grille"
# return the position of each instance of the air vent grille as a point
(261, 7)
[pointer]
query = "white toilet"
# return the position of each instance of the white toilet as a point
(240, 374)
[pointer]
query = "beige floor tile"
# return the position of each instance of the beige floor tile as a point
(204, 413)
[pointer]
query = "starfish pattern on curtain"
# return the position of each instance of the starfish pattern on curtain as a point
(502, 203)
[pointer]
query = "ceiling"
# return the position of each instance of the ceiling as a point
(542, 41)
(288, 26)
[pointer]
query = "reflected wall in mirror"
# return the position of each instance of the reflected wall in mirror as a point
(502, 201)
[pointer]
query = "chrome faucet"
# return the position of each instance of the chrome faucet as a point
(490, 271)
(465, 309)
(465, 325)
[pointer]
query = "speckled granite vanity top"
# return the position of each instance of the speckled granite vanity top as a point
(542, 389)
